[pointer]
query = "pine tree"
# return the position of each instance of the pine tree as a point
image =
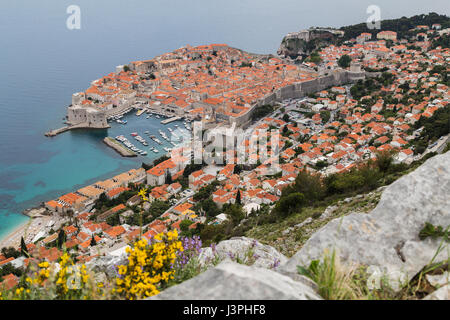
(238, 197)
(169, 178)
(93, 242)
(61, 237)
(23, 248)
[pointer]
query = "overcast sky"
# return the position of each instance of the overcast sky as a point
(253, 25)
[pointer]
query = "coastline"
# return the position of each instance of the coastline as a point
(29, 229)
(9, 239)
(13, 238)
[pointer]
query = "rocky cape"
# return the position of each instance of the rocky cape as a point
(304, 42)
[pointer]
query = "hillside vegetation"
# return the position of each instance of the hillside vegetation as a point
(402, 25)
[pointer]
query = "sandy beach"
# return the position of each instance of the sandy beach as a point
(28, 230)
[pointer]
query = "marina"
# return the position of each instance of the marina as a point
(145, 136)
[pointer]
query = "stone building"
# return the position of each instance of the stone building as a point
(89, 116)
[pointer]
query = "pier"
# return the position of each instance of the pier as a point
(55, 132)
(119, 113)
(122, 150)
(83, 125)
(166, 121)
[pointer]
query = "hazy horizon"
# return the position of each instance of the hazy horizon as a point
(253, 25)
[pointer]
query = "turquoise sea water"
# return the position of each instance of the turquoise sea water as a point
(42, 63)
(73, 160)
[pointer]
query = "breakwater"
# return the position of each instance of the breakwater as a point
(122, 150)
(166, 121)
(55, 132)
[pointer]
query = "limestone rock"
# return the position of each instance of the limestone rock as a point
(439, 280)
(107, 264)
(387, 237)
(233, 281)
(296, 44)
(100, 277)
(304, 223)
(239, 247)
(442, 293)
(328, 212)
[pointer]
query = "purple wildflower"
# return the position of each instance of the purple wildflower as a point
(116, 271)
(191, 248)
(231, 255)
(276, 263)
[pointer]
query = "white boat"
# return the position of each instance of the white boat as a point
(155, 150)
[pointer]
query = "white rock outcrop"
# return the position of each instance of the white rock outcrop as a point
(387, 238)
(107, 264)
(232, 281)
(246, 249)
(442, 293)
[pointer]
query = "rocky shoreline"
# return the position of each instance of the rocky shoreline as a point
(35, 212)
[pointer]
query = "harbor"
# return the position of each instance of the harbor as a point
(144, 134)
(74, 147)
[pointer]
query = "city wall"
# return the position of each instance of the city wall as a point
(302, 89)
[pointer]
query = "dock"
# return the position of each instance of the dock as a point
(119, 113)
(121, 149)
(166, 121)
(82, 125)
(55, 132)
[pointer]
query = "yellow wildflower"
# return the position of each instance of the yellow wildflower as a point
(149, 266)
